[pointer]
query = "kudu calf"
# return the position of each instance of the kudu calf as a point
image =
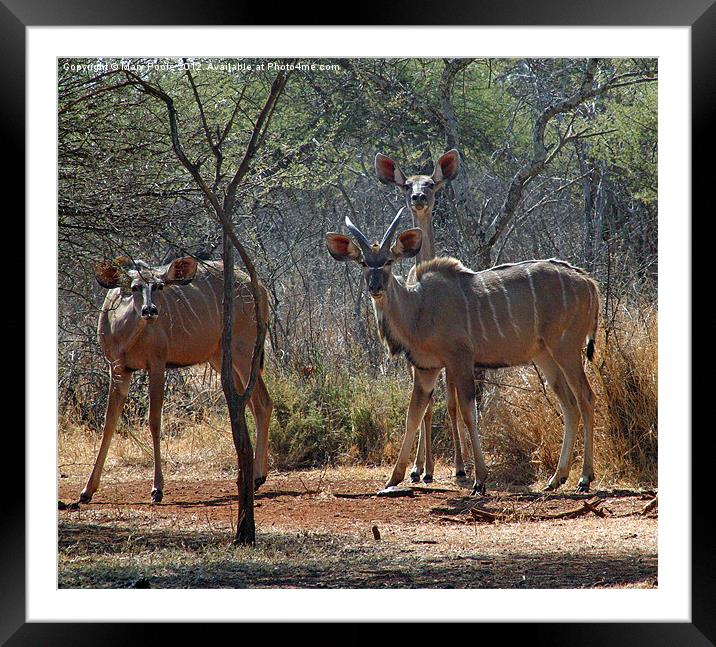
(154, 318)
(419, 192)
(538, 311)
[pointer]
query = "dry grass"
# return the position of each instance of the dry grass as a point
(336, 417)
(202, 449)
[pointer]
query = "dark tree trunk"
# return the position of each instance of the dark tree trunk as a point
(246, 525)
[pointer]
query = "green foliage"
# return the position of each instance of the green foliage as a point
(334, 417)
(630, 148)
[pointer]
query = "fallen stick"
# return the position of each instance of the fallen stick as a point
(484, 515)
(654, 503)
(587, 506)
(432, 490)
(395, 491)
(593, 504)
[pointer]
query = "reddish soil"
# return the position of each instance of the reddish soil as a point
(433, 523)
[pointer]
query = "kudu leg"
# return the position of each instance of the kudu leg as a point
(455, 420)
(261, 407)
(424, 463)
(465, 387)
(428, 429)
(419, 463)
(423, 383)
(570, 412)
(579, 384)
(119, 382)
(156, 401)
(571, 365)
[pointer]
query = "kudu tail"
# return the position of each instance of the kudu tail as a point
(595, 322)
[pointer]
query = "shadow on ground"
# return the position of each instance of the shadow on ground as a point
(114, 557)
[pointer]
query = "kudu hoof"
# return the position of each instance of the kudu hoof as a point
(258, 482)
(157, 496)
(428, 478)
(415, 477)
(554, 484)
(85, 498)
(478, 488)
(583, 485)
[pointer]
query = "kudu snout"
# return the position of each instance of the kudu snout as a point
(149, 286)
(374, 279)
(150, 311)
(418, 199)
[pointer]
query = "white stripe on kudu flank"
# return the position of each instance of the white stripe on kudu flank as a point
(217, 301)
(515, 325)
(492, 306)
(180, 316)
(564, 294)
(187, 301)
(207, 306)
(172, 315)
(479, 320)
(535, 316)
(467, 315)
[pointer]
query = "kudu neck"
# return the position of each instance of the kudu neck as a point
(399, 302)
(424, 220)
(126, 324)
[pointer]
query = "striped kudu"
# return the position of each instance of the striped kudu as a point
(154, 318)
(538, 311)
(419, 192)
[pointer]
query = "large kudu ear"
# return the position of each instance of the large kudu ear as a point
(407, 244)
(181, 271)
(447, 166)
(387, 171)
(112, 274)
(343, 248)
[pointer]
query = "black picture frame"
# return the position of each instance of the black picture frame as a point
(700, 15)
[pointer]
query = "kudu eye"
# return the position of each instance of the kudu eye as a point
(160, 286)
(135, 288)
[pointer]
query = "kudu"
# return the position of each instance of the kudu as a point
(539, 311)
(154, 318)
(419, 192)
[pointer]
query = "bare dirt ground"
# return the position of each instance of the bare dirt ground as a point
(329, 529)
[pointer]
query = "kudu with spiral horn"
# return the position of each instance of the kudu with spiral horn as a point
(539, 311)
